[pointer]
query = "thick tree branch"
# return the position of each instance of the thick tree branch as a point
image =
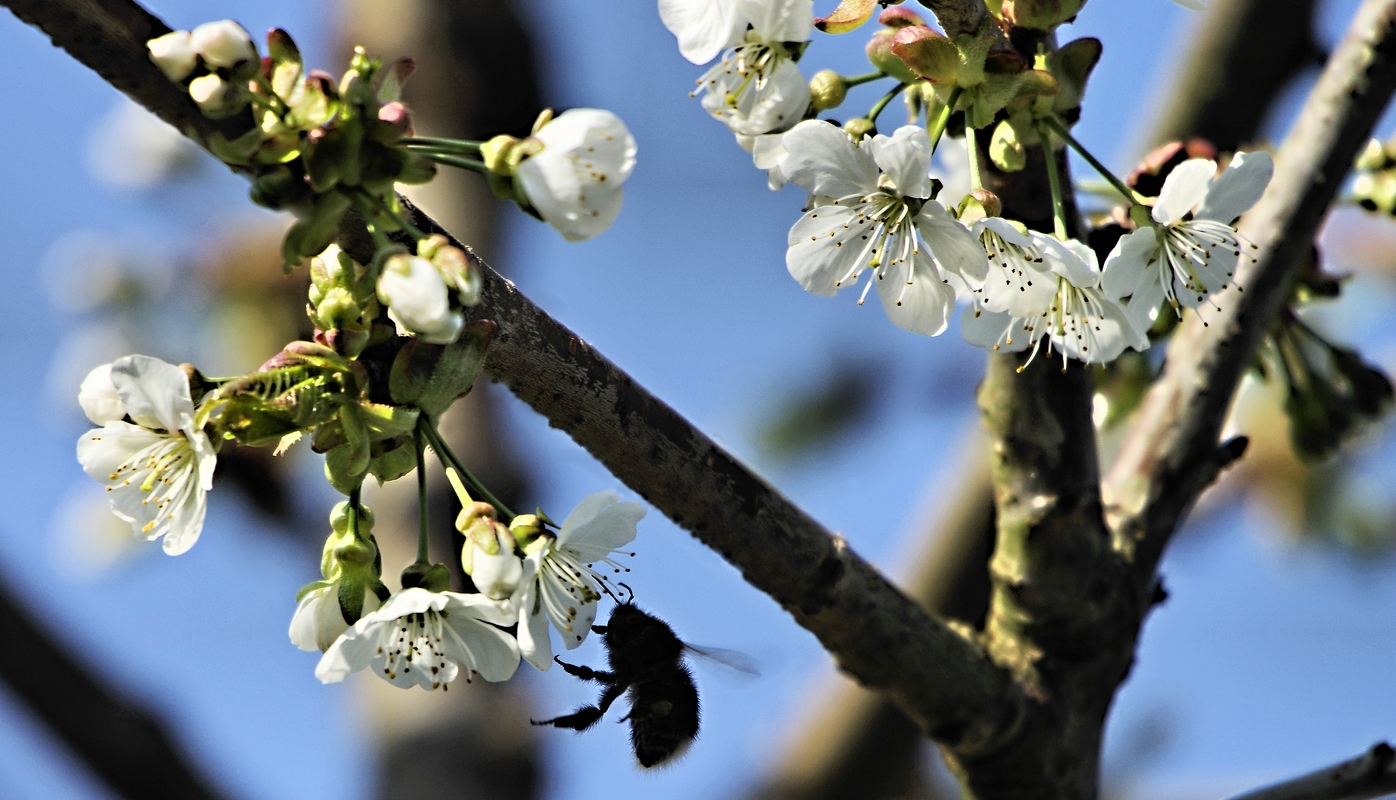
(1171, 452)
(123, 744)
(876, 633)
(1243, 54)
(957, 16)
(1372, 774)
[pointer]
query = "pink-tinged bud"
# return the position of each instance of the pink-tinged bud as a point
(899, 17)
(928, 53)
(398, 122)
(849, 15)
(880, 53)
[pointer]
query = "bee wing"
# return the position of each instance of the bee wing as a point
(732, 659)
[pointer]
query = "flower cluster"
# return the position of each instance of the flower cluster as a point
(874, 207)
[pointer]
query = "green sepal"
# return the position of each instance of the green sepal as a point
(310, 587)
(391, 78)
(432, 376)
(1072, 65)
(351, 599)
(237, 152)
(315, 231)
(393, 459)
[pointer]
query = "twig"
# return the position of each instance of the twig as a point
(1171, 453)
(877, 634)
(1372, 774)
(122, 743)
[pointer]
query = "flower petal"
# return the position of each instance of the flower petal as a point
(826, 248)
(1072, 260)
(603, 530)
(822, 160)
(155, 393)
(1184, 188)
(906, 158)
(98, 397)
(753, 107)
(918, 301)
(954, 247)
(779, 20)
(1129, 265)
(480, 648)
(991, 330)
(1238, 187)
(704, 28)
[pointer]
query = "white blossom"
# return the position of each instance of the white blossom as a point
(418, 300)
(1184, 259)
(222, 44)
(173, 54)
(496, 575)
(208, 92)
(873, 211)
(424, 638)
(755, 88)
(158, 469)
(575, 181)
(98, 397)
(318, 620)
(560, 586)
(766, 152)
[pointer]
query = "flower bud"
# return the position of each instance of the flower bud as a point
(880, 54)
(432, 577)
(396, 122)
(457, 269)
(501, 154)
(827, 89)
(928, 53)
(209, 92)
(417, 300)
(1006, 150)
(1039, 15)
(173, 54)
(98, 397)
(488, 555)
(526, 528)
(222, 44)
(859, 128)
(1373, 156)
(896, 16)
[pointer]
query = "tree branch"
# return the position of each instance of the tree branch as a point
(1171, 452)
(123, 744)
(1372, 774)
(958, 16)
(877, 634)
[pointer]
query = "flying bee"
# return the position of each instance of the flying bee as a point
(646, 660)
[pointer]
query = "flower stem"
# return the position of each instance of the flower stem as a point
(382, 206)
(462, 146)
(1054, 182)
(451, 462)
(858, 80)
(937, 129)
(422, 527)
(882, 103)
(976, 178)
(452, 161)
(355, 500)
(1120, 186)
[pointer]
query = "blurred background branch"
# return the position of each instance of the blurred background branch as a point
(126, 746)
(1372, 774)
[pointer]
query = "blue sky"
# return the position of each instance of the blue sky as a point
(1267, 659)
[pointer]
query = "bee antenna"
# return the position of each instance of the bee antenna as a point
(628, 589)
(606, 587)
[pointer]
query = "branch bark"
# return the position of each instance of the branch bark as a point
(1171, 453)
(122, 743)
(1372, 774)
(876, 634)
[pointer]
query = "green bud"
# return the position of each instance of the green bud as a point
(1039, 15)
(1373, 156)
(928, 53)
(432, 376)
(393, 459)
(860, 128)
(827, 89)
(1006, 150)
(979, 204)
(432, 577)
(526, 528)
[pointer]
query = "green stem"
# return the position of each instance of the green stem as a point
(976, 178)
(387, 210)
(938, 128)
(450, 461)
(355, 498)
(452, 161)
(1054, 182)
(423, 557)
(882, 103)
(1120, 186)
(859, 80)
(462, 146)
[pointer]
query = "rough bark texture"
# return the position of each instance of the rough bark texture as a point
(123, 744)
(876, 634)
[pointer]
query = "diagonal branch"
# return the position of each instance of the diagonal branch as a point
(876, 633)
(1171, 453)
(123, 744)
(1372, 774)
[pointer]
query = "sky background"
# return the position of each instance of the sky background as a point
(1268, 659)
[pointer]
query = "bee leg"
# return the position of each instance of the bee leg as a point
(586, 716)
(585, 673)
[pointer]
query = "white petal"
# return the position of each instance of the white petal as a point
(1184, 188)
(920, 302)
(1127, 268)
(955, 248)
(779, 20)
(906, 158)
(222, 44)
(1238, 187)
(535, 643)
(353, 650)
(155, 393)
(1005, 230)
(173, 54)
(602, 530)
(101, 452)
(991, 330)
(704, 28)
(822, 160)
(186, 524)
(769, 103)
(826, 246)
(98, 397)
(318, 620)
(478, 647)
(1072, 260)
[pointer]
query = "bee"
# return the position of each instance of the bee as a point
(647, 663)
